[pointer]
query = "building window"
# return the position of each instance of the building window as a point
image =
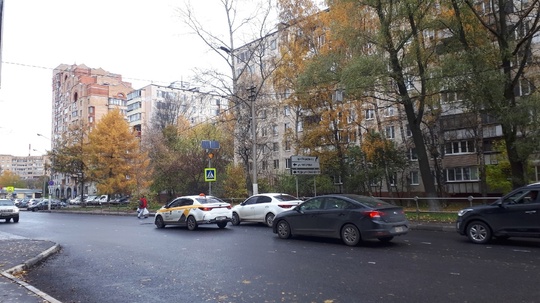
(264, 132)
(411, 154)
(300, 126)
(414, 178)
(393, 179)
(389, 111)
(287, 110)
(286, 126)
(264, 165)
(370, 114)
(408, 131)
(390, 133)
(458, 174)
(287, 145)
(274, 130)
(459, 147)
(275, 146)
(276, 164)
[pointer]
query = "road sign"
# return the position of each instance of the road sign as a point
(305, 165)
(209, 174)
(306, 171)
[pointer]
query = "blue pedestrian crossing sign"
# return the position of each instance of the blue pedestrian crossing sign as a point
(209, 174)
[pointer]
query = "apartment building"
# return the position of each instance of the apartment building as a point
(155, 106)
(27, 167)
(459, 142)
(81, 96)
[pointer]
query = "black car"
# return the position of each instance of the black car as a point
(351, 218)
(43, 205)
(514, 215)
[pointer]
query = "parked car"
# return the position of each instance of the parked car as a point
(92, 200)
(103, 199)
(43, 205)
(263, 208)
(77, 200)
(351, 218)
(516, 214)
(23, 203)
(9, 211)
(120, 200)
(192, 211)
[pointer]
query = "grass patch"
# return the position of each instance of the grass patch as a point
(434, 217)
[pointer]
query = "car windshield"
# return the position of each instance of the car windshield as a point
(6, 203)
(207, 200)
(286, 198)
(369, 201)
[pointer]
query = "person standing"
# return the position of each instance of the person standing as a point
(143, 204)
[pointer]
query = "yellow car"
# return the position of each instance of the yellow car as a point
(191, 211)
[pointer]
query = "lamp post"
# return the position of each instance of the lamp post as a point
(51, 182)
(252, 97)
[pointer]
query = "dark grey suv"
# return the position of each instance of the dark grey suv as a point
(515, 215)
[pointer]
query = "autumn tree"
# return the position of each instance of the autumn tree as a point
(177, 154)
(69, 154)
(116, 162)
(9, 178)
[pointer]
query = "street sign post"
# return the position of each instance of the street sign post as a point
(305, 165)
(210, 174)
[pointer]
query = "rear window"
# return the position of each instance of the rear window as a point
(369, 201)
(286, 198)
(206, 200)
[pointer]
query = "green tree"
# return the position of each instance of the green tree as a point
(498, 54)
(116, 161)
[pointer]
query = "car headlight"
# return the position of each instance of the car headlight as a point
(463, 211)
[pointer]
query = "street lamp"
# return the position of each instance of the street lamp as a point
(253, 118)
(50, 177)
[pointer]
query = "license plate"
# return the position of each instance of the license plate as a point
(221, 218)
(399, 229)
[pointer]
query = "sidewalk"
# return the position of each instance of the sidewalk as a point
(18, 254)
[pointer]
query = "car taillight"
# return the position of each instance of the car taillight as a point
(374, 214)
(229, 207)
(285, 206)
(206, 208)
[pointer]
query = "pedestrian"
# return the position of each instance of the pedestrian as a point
(142, 212)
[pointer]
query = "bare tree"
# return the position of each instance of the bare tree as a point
(250, 66)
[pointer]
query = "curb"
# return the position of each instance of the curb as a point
(9, 273)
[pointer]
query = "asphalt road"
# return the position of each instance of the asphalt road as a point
(123, 259)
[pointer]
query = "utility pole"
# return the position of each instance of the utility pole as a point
(254, 139)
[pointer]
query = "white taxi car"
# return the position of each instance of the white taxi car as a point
(8, 210)
(263, 208)
(191, 211)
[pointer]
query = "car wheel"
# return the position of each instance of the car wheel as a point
(283, 229)
(222, 224)
(235, 219)
(7, 220)
(269, 219)
(191, 223)
(33, 209)
(350, 235)
(16, 219)
(159, 222)
(478, 232)
(385, 239)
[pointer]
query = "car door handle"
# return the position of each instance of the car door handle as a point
(531, 212)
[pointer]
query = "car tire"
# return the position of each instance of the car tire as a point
(269, 219)
(235, 219)
(34, 209)
(222, 224)
(7, 220)
(478, 232)
(16, 220)
(386, 239)
(350, 235)
(283, 229)
(191, 223)
(159, 222)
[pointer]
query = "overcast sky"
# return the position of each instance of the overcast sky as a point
(144, 41)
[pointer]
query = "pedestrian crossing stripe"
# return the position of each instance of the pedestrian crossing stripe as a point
(209, 174)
